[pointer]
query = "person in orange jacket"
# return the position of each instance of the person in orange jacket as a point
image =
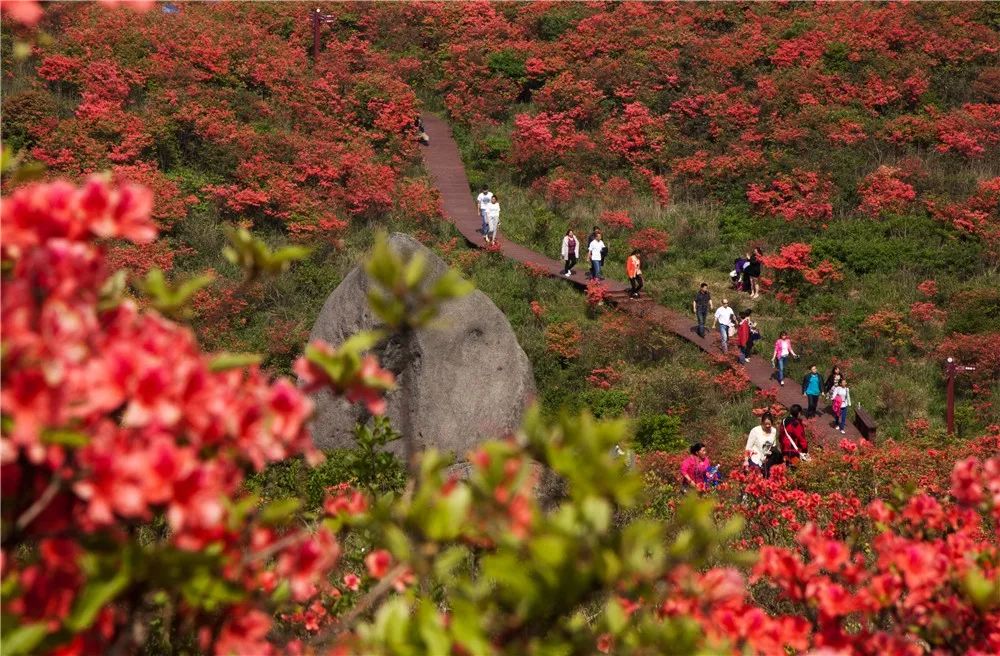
(634, 273)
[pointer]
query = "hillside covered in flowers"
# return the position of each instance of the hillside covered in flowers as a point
(183, 184)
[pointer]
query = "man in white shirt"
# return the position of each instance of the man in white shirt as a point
(595, 253)
(725, 318)
(483, 201)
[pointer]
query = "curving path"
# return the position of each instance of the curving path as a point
(444, 163)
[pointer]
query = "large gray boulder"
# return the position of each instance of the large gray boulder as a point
(469, 380)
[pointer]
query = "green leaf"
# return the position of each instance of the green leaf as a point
(24, 639)
(280, 511)
(97, 594)
(225, 361)
(65, 438)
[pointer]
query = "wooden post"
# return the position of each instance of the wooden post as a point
(950, 412)
(315, 25)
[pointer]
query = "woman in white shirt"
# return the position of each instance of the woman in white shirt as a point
(840, 400)
(595, 253)
(570, 252)
(492, 220)
(761, 441)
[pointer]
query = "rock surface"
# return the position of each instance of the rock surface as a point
(469, 379)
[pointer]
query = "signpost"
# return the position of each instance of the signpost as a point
(317, 19)
(950, 370)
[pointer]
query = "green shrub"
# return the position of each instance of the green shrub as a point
(911, 243)
(509, 63)
(659, 433)
(606, 404)
(974, 311)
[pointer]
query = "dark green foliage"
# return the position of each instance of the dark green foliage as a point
(366, 466)
(913, 244)
(605, 404)
(974, 311)
(659, 433)
(509, 63)
(553, 23)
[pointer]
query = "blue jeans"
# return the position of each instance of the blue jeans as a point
(842, 420)
(781, 367)
(744, 353)
(595, 268)
(701, 322)
(724, 334)
(482, 217)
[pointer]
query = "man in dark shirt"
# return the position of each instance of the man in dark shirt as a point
(702, 305)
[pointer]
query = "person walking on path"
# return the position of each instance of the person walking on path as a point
(483, 201)
(595, 254)
(792, 437)
(633, 269)
(725, 319)
(492, 220)
(832, 379)
(743, 336)
(761, 441)
(695, 467)
(570, 252)
(751, 273)
(702, 304)
(812, 387)
(840, 401)
(782, 349)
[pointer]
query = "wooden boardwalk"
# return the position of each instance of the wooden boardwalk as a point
(443, 161)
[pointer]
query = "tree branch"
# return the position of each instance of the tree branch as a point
(41, 503)
(366, 602)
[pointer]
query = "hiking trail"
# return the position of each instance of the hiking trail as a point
(444, 163)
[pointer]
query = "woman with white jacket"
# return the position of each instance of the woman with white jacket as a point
(570, 252)
(840, 401)
(492, 220)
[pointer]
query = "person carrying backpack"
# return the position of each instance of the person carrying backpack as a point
(812, 387)
(634, 273)
(792, 437)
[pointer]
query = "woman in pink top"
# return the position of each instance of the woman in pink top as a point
(693, 467)
(782, 349)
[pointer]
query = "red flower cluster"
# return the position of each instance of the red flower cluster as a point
(113, 416)
(883, 192)
(803, 195)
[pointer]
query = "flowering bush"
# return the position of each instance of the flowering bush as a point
(794, 262)
(883, 192)
(563, 339)
(802, 195)
(650, 241)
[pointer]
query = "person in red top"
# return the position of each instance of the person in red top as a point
(743, 336)
(792, 437)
